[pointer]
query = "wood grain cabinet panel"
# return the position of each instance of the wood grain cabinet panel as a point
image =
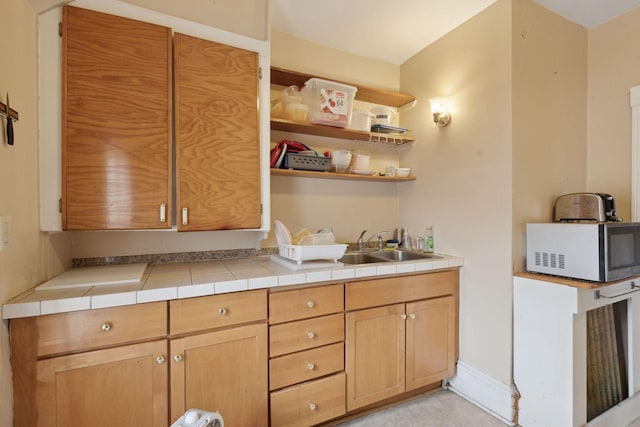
(305, 303)
(431, 341)
(305, 365)
(305, 334)
(217, 136)
(375, 354)
(396, 348)
(216, 311)
(224, 371)
(308, 404)
(85, 330)
(126, 385)
(116, 124)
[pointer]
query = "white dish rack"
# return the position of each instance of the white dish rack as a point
(300, 253)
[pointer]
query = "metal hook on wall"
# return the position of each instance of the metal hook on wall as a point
(11, 115)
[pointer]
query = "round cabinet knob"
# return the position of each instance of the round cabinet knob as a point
(311, 366)
(403, 316)
(311, 304)
(412, 316)
(312, 406)
(222, 311)
(160, 360)
(106, 327)
(311, 335)
(177, 358)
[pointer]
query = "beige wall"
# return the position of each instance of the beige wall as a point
(463, 175)
(346, 206)
(549, 115)
(31, 256)
(614, 67)
(501, 161)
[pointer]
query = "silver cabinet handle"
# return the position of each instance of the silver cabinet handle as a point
(311, 304)
(222, 311)
(412, 316)
(312, 406)
(163, 212)
(311, 366)
(185, 216)
(106, 327)
(177, 358)
(403, 316)
(311, 335)
(160, 360)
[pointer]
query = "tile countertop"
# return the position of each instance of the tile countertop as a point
(163, 282)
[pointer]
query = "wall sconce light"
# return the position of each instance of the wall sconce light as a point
(441, 116)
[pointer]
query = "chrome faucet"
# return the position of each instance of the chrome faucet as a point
(362, 244)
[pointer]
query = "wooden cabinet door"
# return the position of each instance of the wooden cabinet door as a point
(116, 136)
(431, 327)
(224, 371)
(375, 354)
(120, 386)
(217, 136)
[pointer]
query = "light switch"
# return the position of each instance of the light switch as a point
(4, 232)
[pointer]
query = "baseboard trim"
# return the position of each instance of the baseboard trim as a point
(484, 391)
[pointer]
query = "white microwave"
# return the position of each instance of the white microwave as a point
(599, 252)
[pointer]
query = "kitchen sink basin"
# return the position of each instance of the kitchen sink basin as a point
(360, 258)
(383, 256)
(398, 255)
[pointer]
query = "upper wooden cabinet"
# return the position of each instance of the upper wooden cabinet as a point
(116, 122)
(217, 135)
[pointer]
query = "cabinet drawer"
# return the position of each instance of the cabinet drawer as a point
(82, 330)
(305, 303)
(306, 365)
(216, 311)
(305, 334)
(310, 403)
(376, 292)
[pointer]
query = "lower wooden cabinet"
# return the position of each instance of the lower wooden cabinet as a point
(430, 341)
(119, 386)
(309, 356)
(375, 341)
(123, 366)
(399, 347)
(224, 371)
(308, 403)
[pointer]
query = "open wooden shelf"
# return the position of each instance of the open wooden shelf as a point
(336, 132)
(334, 175)
(283, 77)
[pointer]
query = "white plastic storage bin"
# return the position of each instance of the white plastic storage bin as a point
(330, 103)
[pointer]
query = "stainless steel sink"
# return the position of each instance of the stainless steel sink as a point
(360, 258)
(399, 255)
(383, 256)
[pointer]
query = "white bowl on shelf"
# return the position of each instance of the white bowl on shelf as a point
(403, 172)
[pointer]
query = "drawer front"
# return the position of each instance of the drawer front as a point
(305, 334)
(377, 292)
(82, 330)
(310, 403)
(305, 303)
(216, 311)
(306, 365)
